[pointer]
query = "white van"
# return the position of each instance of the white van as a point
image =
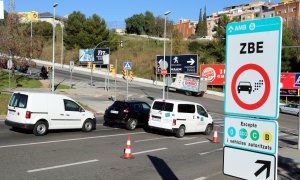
(180, 117)
(42, 111)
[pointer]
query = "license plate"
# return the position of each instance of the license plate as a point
(11, 112)
(114, 112)
(155, 119)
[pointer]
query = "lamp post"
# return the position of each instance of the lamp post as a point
(62, 46)
(53, 53)
(164, 65)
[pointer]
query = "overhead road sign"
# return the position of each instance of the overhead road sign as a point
(127, 66)
(253, 62)
(251, 134)
(249, 165)
(101, 55)
(187, 64)
(1, 9)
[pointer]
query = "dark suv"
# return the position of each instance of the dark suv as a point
(131, 113)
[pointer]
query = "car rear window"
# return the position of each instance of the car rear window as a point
(18, 100)
(163, 106)
(186, 108)
(119, 105)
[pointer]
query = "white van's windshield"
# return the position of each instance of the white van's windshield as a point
(163, 106)
(18, 100)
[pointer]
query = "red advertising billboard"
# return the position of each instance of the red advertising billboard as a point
(215, 73)
(289, 84)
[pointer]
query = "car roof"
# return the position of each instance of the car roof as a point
(132, 101)
(41, 93)
(175, 101)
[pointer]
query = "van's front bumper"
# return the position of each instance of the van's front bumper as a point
(19, 125)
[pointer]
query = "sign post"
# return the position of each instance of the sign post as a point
(71, 73)
(9, 67)
(253, 66)
(127, 66)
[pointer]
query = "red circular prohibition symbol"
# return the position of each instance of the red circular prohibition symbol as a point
(267, 86)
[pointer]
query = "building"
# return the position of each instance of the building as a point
(186, 27)
(289, 11)
(48, 17)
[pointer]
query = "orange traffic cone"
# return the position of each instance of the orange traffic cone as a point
(215, 139)
(127, 150)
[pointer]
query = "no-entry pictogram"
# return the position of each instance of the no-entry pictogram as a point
(266, 80)
(163, 72)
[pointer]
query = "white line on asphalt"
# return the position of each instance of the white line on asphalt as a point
(152, 150)
(196, 143)
(208, 152)
(185, 138)
(60, 166)
(143, 140)
(65, 140)
(200, 178)
(106, 129)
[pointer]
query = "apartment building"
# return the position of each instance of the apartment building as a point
(289, 11)
(186, 27)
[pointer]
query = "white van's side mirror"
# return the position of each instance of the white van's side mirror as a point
(81, 109)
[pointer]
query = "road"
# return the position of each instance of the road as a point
(97, 155)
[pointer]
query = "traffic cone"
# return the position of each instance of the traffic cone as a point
(215, 139)
(127, 150)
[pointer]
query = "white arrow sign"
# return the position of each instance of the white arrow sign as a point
(192, 61)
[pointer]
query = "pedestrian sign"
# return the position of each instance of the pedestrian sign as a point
(253, 62)
(127, 66)
(297, 80)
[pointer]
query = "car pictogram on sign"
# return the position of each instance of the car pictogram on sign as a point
(244, 86)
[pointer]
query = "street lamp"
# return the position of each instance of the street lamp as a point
(53, 53)
(62, 46)
(164, 77)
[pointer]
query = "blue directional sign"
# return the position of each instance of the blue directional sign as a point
(187, 64)
(127, 66)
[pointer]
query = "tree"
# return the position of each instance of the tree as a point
(199, 25)
(85, 32)
(177, 39)
(149, 23)
(135, 24)
(204, 23)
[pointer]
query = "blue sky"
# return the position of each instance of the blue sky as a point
(116, 11)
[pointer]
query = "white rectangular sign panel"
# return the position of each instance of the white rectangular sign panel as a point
(251, 134)
(249, 165)
(1, 9)
(253, 65)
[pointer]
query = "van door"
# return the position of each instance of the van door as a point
(187, 116)
(202, 118)
(73, 114)
(17, 108)
(161, 115)
(56, 112)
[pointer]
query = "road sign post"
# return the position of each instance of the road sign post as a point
(127, 66)
(253, 66)
(9, 67)
(71, 73)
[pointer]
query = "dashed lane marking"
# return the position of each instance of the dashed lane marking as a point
(144, 140)
(199, 142)
(67, 140)
(147, 151)
(208, 152)
(61, 166)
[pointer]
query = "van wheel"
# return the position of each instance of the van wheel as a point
(88, 126)
(188, 93)
(131, 124)
(208, 129)
(40, 128)
(180, 132)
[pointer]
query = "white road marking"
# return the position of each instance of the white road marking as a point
(200, 178)
(208, 152)
(185, 138)
(200, 142)
(152, 150)
(66, 140)
(143, 140)
(61, 166)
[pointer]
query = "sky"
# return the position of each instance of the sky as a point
(114, 12)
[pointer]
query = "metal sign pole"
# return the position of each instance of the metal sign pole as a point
(108, 78)
(299, 126)
(92, 75)
(127, 84)
(71, 83)
(116, 80)
(9, 79)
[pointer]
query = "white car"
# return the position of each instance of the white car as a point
(290, 109)
(42, 111)
(180, 117)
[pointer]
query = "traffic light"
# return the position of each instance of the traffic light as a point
(89, 65)
(111, 67)
(131, 75)
(124, 74)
